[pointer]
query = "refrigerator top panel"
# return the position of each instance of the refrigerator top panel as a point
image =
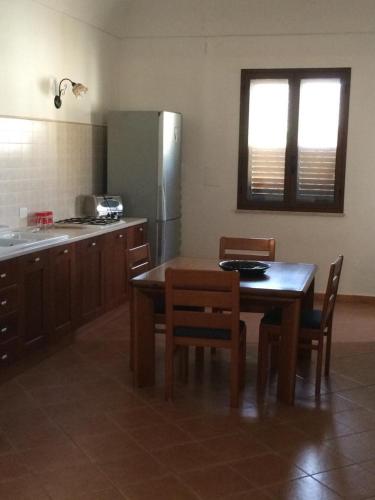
(169, 166)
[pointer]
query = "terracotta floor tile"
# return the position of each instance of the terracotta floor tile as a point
(135, 469)
(11, 467)
(5, 446)
(29, 429)
(358, 420)
(281, 437)
(167, 488)
(137, 417)
(215, 481)
(185, 457)
(79, 406)
(108, 447)
(23, 488)
(357, 447)
(305, 488)
(159, 436)
(352, 482)
(86, 425)
(316, 458)
(107, 494)
(207, 427)
(65, 483)
(234, 447)
(252, 494)
(266, 469)
(45, 458)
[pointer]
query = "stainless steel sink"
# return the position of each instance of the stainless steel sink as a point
(10, 242)
(21, 238)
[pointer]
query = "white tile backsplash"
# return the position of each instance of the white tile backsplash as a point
(46, 165)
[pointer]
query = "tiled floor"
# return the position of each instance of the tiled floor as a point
(74, 428)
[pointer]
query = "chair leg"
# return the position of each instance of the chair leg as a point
(184, 363)
(274, 363)
(199, 356)
(328, 351)
(243, 365)
(169, 365)
(131, 347)
(234, 378)
(319, 363)
(262, 361)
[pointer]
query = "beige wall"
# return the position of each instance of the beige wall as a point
(200, 76)
(39, 46)
(48, 164)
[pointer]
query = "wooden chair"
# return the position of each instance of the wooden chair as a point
(193, 299)
(138, 262)
(244, 248)
(315, 325)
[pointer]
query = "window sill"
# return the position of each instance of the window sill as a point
(286, 212)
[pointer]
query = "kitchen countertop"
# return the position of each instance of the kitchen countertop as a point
(74, 234)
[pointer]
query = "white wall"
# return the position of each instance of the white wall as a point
(167, 64)
(39, 45)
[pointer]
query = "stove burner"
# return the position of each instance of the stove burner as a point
(90, 221)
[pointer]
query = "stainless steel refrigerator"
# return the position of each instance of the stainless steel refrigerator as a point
(144, 167)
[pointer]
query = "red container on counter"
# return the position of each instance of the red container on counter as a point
(44, 220)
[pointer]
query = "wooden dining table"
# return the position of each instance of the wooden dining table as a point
(285, 284)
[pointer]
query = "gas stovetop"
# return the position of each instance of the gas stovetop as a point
(87, 221)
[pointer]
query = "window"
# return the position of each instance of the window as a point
(293, 132)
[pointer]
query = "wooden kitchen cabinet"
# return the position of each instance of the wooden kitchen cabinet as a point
(9, 311)
(63, 310)
(137, 235)
(46, 295)
(116, 279)
(90, 282)
(34, 299)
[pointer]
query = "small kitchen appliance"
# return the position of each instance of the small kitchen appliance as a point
(100, 210)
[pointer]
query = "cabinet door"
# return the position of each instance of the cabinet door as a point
(35, 298)
(90, 263)
(62, 288)
(136, 235)
(115, 268)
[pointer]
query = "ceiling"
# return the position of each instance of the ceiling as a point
(107, 15)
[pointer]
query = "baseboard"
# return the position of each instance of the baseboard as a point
(354, 299)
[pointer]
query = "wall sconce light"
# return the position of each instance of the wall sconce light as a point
(77, 88)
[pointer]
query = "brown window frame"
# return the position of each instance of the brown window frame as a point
(290, 202)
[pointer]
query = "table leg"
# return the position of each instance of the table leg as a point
(288, 351)
(144, 338)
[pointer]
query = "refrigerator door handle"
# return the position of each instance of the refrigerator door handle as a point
(162, 198)
(159, 243)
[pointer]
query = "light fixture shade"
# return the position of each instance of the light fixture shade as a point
(78, 90)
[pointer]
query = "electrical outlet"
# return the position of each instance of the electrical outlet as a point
(23, 213)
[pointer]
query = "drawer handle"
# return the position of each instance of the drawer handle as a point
(3, 275)
(3, 302)
(93, 244)
(66, 250)
(4, 357)
(4, 330)
(37, 259)
(141, 229)
(120, 236)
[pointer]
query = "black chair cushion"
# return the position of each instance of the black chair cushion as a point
(310, 318)
(205, 333)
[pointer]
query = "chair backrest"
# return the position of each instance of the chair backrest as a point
(202, 299)
(331, 291)
(244, 248)
(138, 260)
